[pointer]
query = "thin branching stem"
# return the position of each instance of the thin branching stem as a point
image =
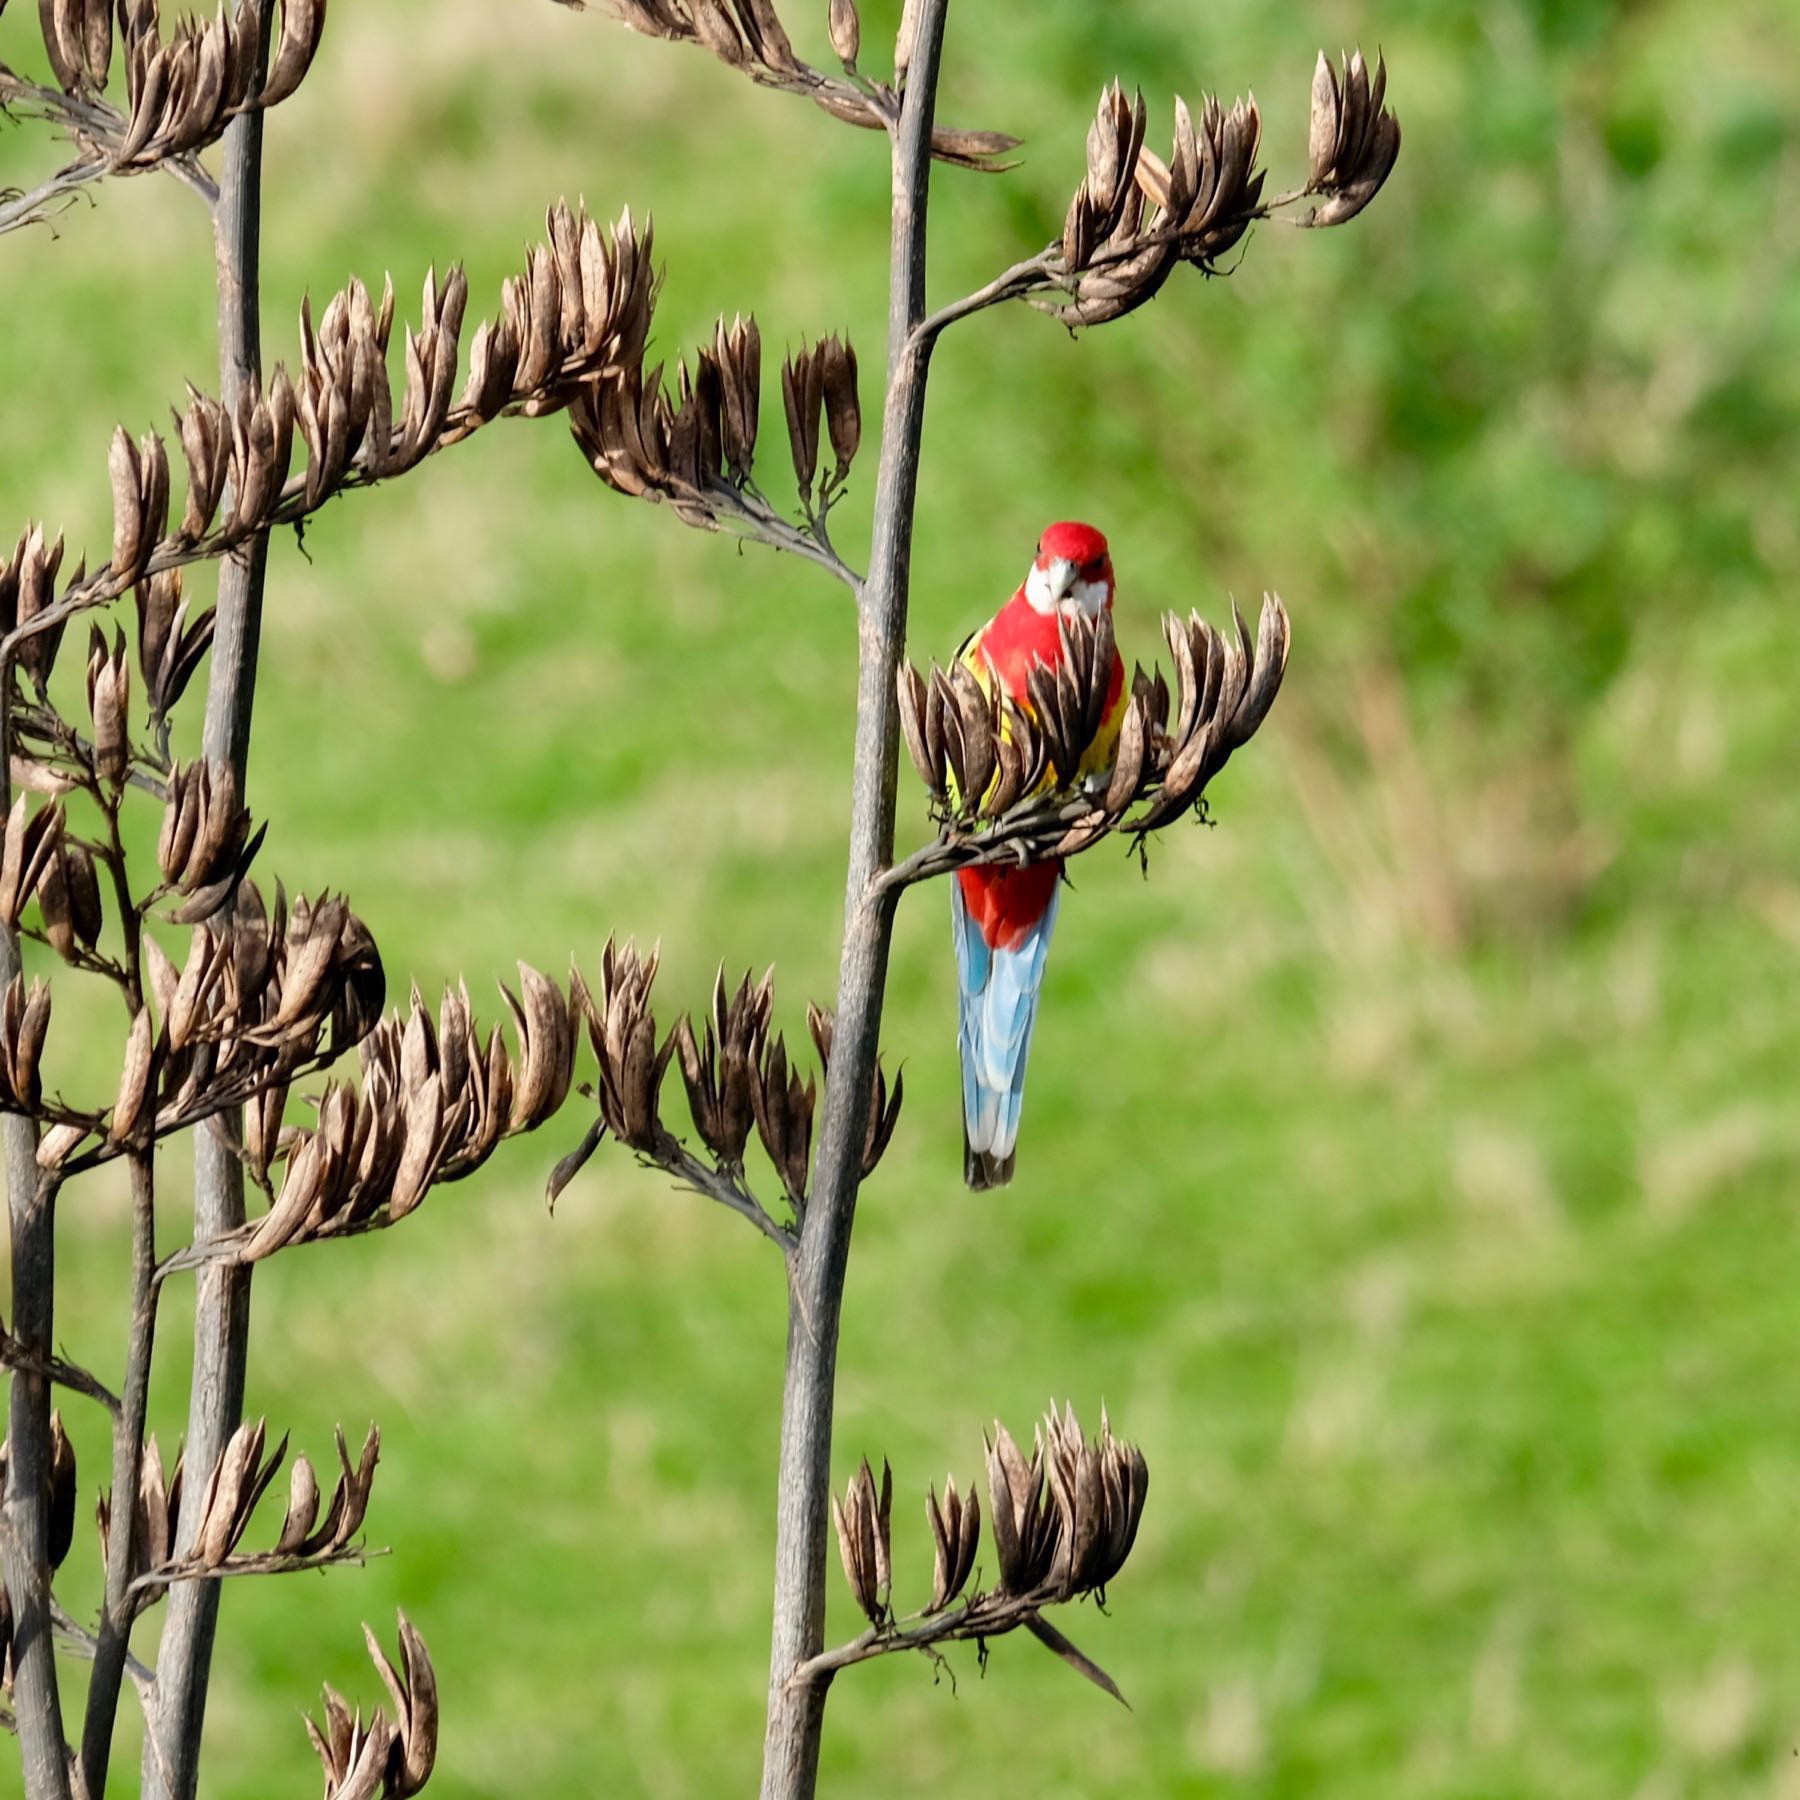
(78, 1641)
(728, 1190)
(180, 1575)
(980, 1616)
(72, 1376)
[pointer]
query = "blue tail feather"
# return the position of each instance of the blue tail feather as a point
(999, 999)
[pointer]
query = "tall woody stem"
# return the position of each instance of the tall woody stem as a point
(25, 1540)
(31, 1208)
(222, 1302)
(817, 1271)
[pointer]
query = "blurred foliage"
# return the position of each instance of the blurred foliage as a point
(1411, 1161)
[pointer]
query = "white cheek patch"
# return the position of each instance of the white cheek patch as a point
(1090, 597)
(1038, 592)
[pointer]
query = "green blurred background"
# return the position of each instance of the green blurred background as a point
(1411, 1159)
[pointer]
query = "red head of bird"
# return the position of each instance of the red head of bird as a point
(1072, 571)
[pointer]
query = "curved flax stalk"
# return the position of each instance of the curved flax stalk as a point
(222, 1299)
(816, 1282)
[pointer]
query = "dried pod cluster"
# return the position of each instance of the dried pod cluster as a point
(818, 387)
(1064, 1523)
(389, 1758)
(258, 1000)
(581, 308)
(643, 442)
(1224, 687)
(734, 1066)
(243, 1474)
(433, 1103)
(748, 35)
(579, 314)
(695, 447)
(1135, 217)
(984, 756)
(182, 90)
(1354, 140)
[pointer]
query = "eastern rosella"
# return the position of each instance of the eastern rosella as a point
(1003, 915)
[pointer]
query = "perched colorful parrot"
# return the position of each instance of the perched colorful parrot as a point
(1003, 915)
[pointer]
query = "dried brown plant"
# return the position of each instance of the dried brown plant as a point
(238, 1005)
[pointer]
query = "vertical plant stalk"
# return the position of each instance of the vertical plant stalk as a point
(25, 1512)
(117, 1610)
(31, 1208)
(816, 1273)
(222, 1299)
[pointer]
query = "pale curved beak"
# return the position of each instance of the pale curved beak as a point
(1062, 575)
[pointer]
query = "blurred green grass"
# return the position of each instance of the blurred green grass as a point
(1411, 1160)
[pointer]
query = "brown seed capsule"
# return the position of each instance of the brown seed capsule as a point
(64, 1492)
(1025, 1526)
(30, 844)
(109, 703)
(802, 394)
(843, 409)
(846, 30)
(955, 1536)
(302, 1508)
(413, 1690)
(134, 1078)
(862, 1523)
(302, 25)
(85, 909)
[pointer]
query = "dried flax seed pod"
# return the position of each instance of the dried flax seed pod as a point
(955, 1537)
(784, 1117)
(622, 1030)
(302, 25)
(1025, 1525)
(803, 397)
(863, 1534)
(845, 29)
(109, 704)
(1353, 140)
(169, 647)
(31, 843)
(884, 1110)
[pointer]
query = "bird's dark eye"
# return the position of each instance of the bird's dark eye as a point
(1092, 571)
